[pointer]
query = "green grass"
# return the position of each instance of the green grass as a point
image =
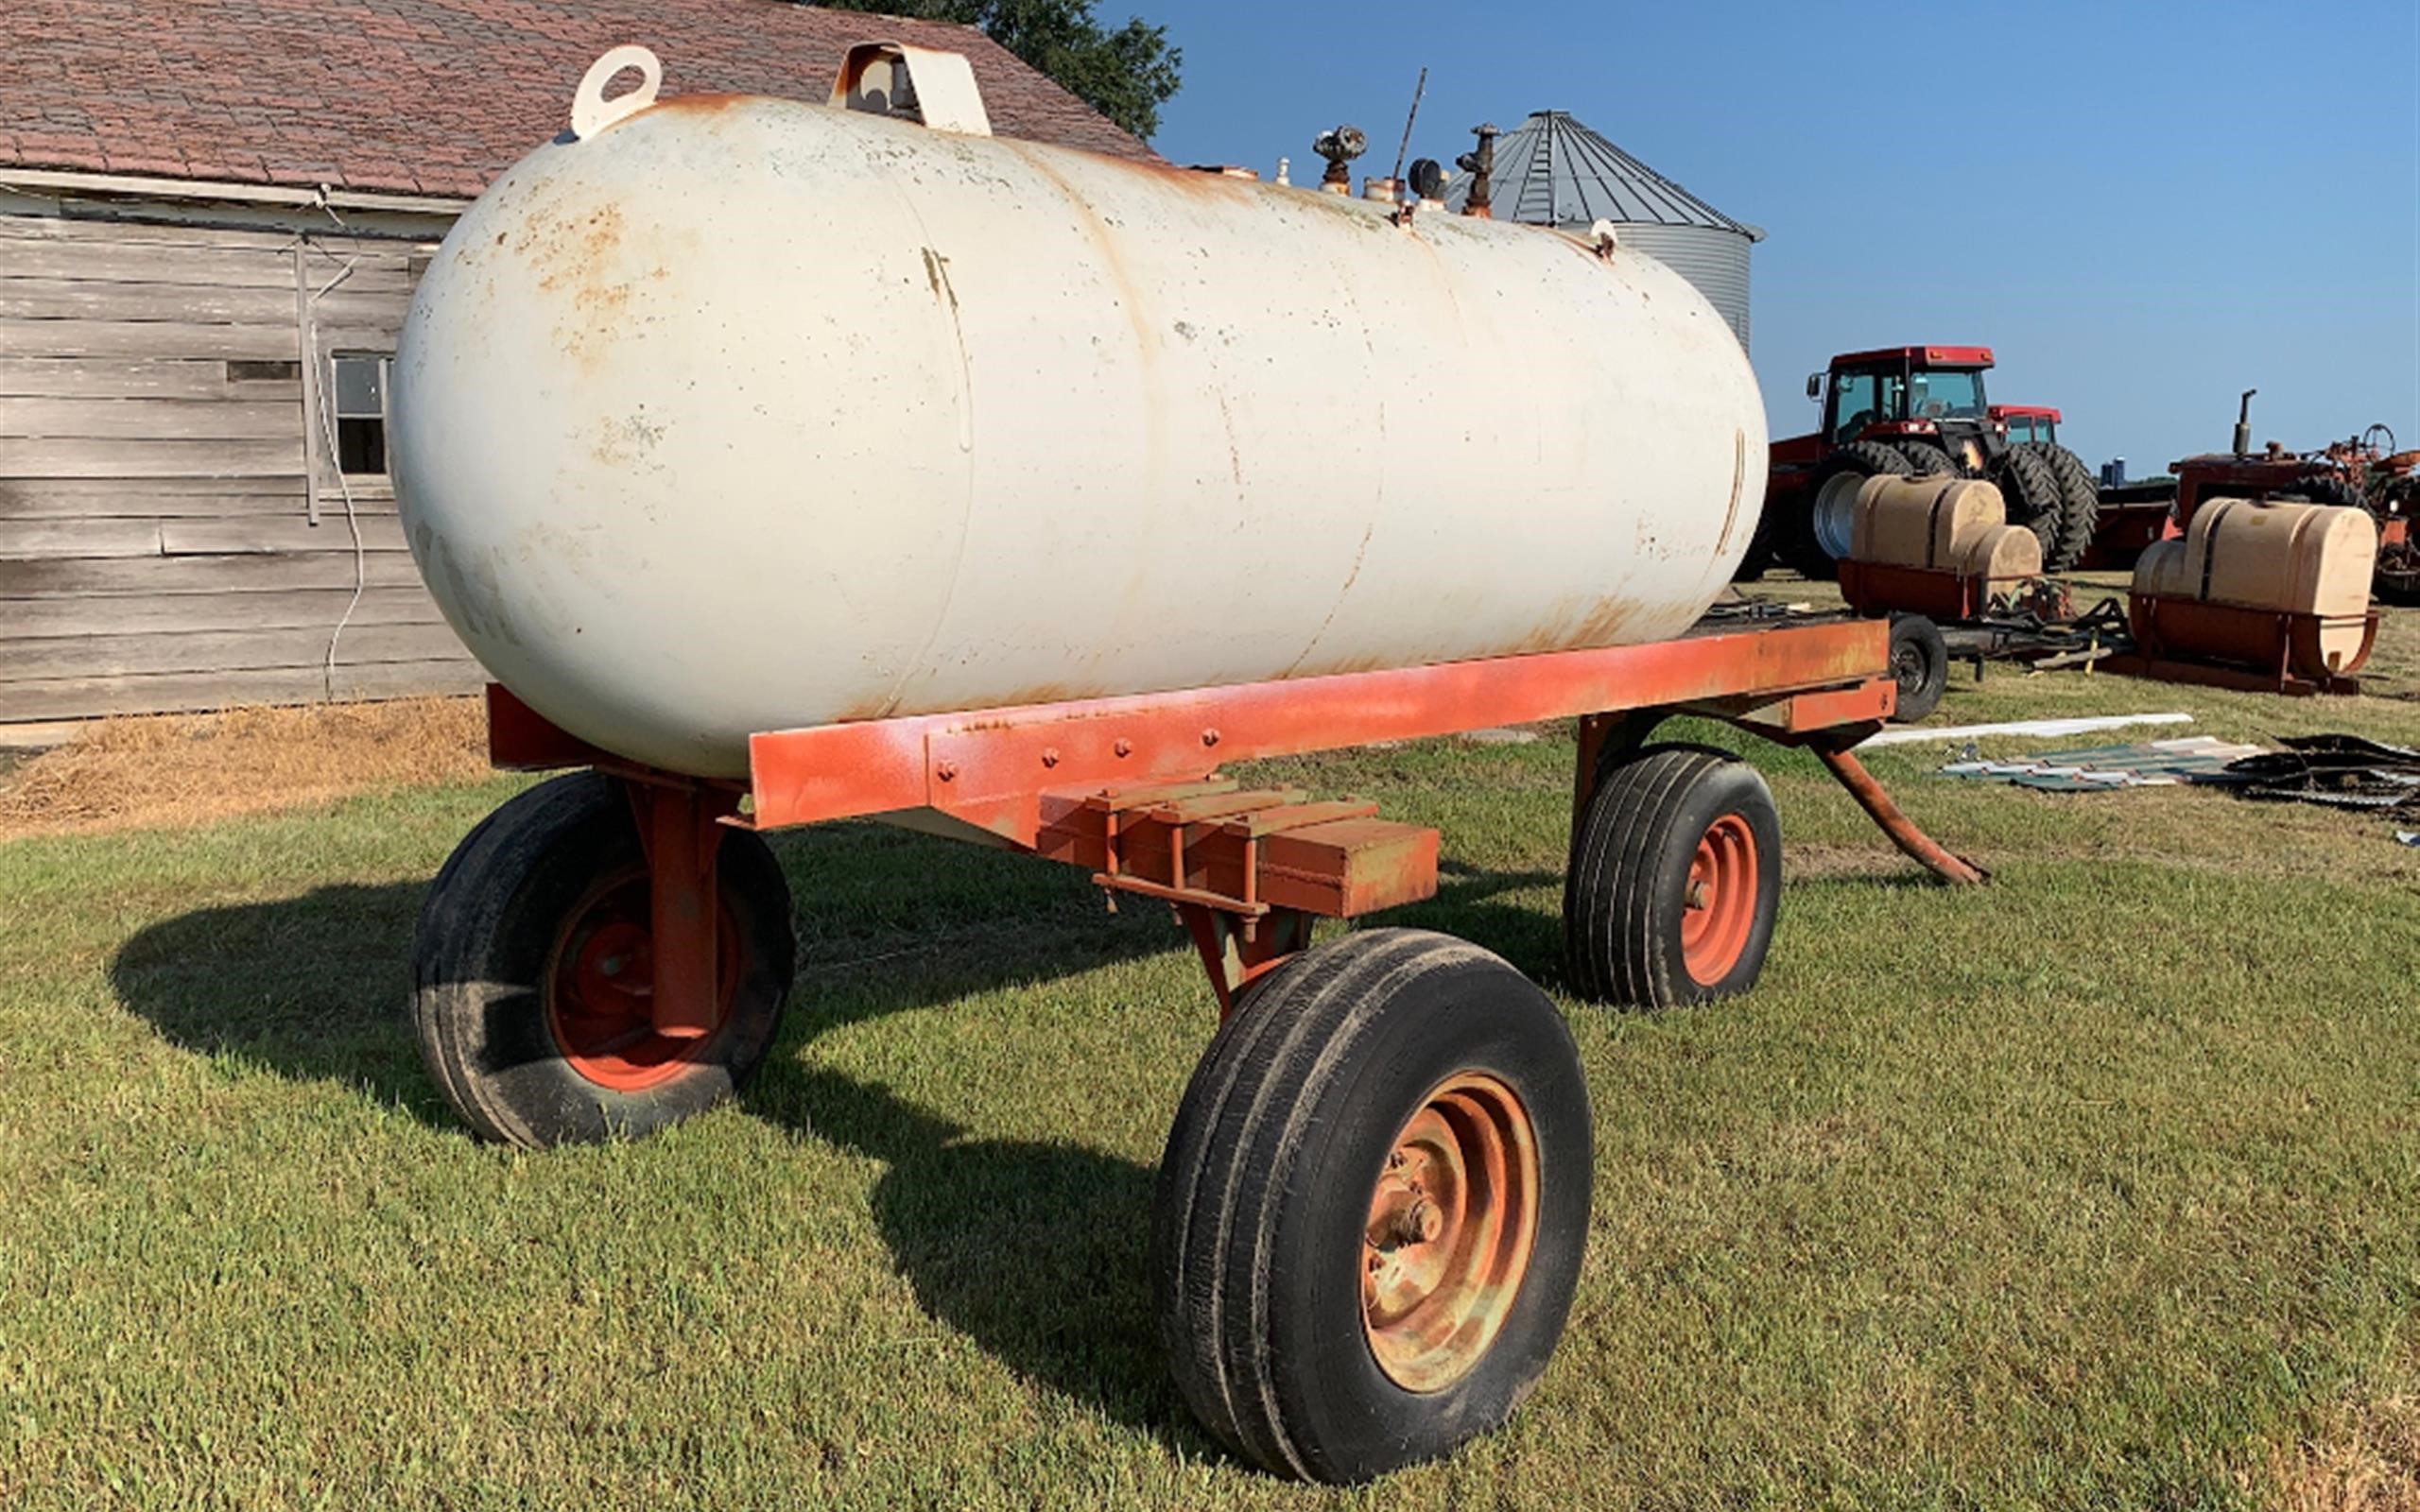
(2089, 1189)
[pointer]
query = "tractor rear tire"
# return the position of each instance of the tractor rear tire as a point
(2079, 507)
(1919, 662)
(1930, 462)
(1674, 881)
(2030, 490)
(1371, 1215)
(2324, 488)
(525, 1002)
(1818, 534)
(1761, 558)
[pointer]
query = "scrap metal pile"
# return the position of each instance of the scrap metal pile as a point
(2340, 771)
(2335, 771)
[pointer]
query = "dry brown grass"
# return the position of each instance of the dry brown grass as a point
(2364, 1460)
(173, 769)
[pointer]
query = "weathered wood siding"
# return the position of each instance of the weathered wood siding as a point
(173, 532)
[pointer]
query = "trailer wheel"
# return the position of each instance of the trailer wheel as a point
(1930, 462)
(1675, 879)
(530, 973)
(1919, 662)
(2078, 507)
(1370, 1218)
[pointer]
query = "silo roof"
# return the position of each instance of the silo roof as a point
(1552, 170)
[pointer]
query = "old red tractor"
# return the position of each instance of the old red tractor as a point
(1914, 411)
(2363, 472)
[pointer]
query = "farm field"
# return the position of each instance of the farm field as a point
(2098, 1187)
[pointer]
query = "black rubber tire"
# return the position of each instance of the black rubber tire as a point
(2030, 491)
(1761, 558)
(480, 953)
(2324, 488)
(2078, 507)
(1625, 891)
(1264, 1193)
(1795, 537)
(2398, 574)
(1929, 461)
(1920, 659)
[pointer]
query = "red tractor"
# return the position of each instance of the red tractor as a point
(2028, 422)
(1914, 411)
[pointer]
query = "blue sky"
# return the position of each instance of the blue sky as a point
(2144, 208)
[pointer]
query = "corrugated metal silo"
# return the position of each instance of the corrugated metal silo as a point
(1551, 170)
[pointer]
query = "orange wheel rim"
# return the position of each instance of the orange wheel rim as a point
(1452, 1220)
(1719, 909)
(600, 990)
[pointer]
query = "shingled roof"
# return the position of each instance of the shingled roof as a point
(421, 96)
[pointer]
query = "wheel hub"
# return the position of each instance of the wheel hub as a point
(1907, 670)
(1834, 514)
(1452, 1220)
(601, 990)
(1719, 902)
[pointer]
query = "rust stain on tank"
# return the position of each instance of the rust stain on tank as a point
(1190, 181)
(1058, 692)
(1088, 220)
(1605, 623)
(565, 250)
(863, 709)
(1738, 481)
(704, 104)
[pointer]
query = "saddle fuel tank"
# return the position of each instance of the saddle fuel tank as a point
(720, 415)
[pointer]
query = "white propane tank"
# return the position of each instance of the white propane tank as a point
(726, 414)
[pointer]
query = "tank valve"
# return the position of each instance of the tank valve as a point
(1339, 147)
(1480, 165)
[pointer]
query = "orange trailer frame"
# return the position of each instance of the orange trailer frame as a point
(1131, 788)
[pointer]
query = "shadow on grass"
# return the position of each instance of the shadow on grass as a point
(1037, 1252)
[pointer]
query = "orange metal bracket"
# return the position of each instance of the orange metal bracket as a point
(679, 827)
(1913, 842)
(991, 767)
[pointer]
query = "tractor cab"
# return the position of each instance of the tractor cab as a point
(1920, 412)
(1899, 393)
(2028, 422)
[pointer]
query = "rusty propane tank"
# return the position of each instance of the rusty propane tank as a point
(719, 415)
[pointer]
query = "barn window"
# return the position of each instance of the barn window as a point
(360, 392)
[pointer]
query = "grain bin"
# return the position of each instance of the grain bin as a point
(1552, 170)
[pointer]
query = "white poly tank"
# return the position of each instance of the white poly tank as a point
(737, 413)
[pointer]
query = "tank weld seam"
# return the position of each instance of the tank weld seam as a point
(1333, 610)
(1738, 480)
(936, 267)
(1932, 525)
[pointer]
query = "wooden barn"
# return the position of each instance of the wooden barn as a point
(212, 214)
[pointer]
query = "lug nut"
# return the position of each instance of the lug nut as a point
(1419, 1223)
